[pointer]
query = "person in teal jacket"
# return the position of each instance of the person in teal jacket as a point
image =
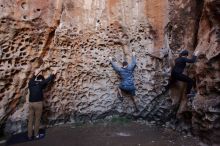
(127, 79)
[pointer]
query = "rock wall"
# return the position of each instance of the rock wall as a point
(195, 26)
(77, 37)
(208, 75)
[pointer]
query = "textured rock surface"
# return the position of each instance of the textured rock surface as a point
(202, 34)
(207, 104)
(78, 37)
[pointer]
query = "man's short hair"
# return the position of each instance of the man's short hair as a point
(125, 63)
(40, 77)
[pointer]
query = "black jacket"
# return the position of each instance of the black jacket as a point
(36, 88)
(180, 64)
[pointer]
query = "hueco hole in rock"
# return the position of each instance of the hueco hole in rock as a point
(92, 97)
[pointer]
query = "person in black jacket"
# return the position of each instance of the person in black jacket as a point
(177, 71)
(36, 85)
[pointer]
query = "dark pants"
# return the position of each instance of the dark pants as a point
(183, 78)
(128, 89)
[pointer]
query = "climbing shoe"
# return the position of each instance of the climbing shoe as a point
(191, 95)
(120, 98)
(39, 136)
(30, 138)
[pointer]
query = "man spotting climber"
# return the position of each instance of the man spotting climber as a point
(36, 85)
(177, 71)
(127, 79)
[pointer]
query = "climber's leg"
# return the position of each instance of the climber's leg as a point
(132, 94)
(120, 94)
(186, 79)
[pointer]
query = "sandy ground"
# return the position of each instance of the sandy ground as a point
(112, 134)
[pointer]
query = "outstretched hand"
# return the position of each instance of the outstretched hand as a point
(37, 71)
(28, 68)
(196, 53)
(124, 42)
(110, 58)
(133, 53)
(47, 66)
(55, 70)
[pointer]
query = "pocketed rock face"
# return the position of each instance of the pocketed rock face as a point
(206, 116)
(77, 37)
(184, 16)
(202, 34)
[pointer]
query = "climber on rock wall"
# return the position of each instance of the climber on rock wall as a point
(177, 71)
(36, 85)
(127, 79)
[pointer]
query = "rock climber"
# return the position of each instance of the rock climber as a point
(127, 80)
(177, 71)
(36, 85)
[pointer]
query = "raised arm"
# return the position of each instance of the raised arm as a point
(114, 65)
(32, 80)
(53, 72)
(192, 60)
(34, 74)
(47, 80)
(132, 65)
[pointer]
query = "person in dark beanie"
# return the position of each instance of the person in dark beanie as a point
(177, 71)
(36, 85)
(126, 74)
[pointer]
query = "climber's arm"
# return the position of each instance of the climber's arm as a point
(114, 65)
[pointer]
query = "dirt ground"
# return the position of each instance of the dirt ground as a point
(112, 134)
